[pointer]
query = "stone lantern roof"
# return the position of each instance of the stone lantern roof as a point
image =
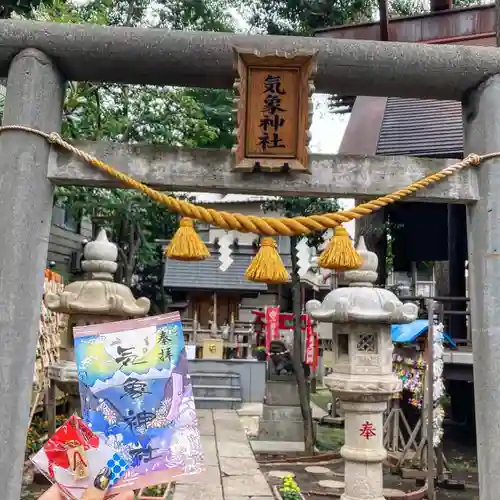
(98, 294)
(361, 302)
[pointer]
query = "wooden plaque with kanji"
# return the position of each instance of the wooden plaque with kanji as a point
(273, 110)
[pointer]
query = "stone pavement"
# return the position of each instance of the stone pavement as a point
(232, 473)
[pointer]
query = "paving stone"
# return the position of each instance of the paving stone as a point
(234, 449)
(250, 410)
(247, 498)
(198, 492)
(231, 436)
(253, 485)
(316, 469)
(209, 476)
(238, 466)
(225, 414)
(203, 414)
(209, 451)
(280, 474)
(330, 483)
(392, 493)
(232, 423)
(250, 424)
(206, 427)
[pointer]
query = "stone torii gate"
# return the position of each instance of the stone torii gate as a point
(37, 58)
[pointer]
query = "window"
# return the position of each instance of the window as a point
(367, 343)
(63, 218)
(342, 345)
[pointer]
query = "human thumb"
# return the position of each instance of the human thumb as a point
(101, 484)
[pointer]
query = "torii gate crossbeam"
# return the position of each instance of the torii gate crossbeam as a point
(37, 57)
(201, 59)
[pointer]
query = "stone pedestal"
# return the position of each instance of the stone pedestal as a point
(94, 300)
(362, 375)
(281, 415)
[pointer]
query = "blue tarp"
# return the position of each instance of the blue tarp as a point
(406, 334)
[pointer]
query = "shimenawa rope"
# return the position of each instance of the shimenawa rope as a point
(267, 266)
(268, 226)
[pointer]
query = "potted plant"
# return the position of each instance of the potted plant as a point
(260, 353)
(289, 489)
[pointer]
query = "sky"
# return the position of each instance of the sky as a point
(327, 130)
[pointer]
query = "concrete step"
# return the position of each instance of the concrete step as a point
(217, 403)
(205, 390)
(201, 378)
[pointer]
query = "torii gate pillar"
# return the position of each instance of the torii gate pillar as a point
(34, 99)
(481, 114)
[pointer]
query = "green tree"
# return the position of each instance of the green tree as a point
(303, 17)
(292, 207)
(23, 7)
(135, 114)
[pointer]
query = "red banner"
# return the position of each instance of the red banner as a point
(272, 325)
(312, 347)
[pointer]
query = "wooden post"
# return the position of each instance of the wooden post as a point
(482, 133)
(34, 99)
(429, 378)
(52, 408)
(214, 314)
(395, 432)
(195, 333)
(232, 329)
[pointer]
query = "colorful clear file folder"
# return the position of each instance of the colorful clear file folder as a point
(137, 396)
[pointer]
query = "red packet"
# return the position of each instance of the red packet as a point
(74, 456)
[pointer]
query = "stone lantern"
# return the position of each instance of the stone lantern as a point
(95, 299)
(362, 375)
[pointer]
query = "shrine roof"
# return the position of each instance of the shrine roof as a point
(414, 127)
(206, 275)
(419, 127)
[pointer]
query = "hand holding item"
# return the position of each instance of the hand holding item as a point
(74, 456)
(97, 492)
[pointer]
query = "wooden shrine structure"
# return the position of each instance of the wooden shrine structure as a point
(37, 59)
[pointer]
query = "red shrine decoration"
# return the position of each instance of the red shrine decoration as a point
(266, 332)
(74, 435)
(272, 314)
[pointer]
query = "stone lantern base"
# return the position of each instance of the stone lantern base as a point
(281, 415)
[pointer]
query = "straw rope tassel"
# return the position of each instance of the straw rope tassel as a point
(267, 266)
(186, 244)
(340, 255)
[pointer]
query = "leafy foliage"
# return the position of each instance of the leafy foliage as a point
(302, 17)
(135, 114)
(134, 221)
(24, 7)
(289, 489)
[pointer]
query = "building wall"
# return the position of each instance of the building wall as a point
(66, 238)
(249, 304)
(252, 375)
